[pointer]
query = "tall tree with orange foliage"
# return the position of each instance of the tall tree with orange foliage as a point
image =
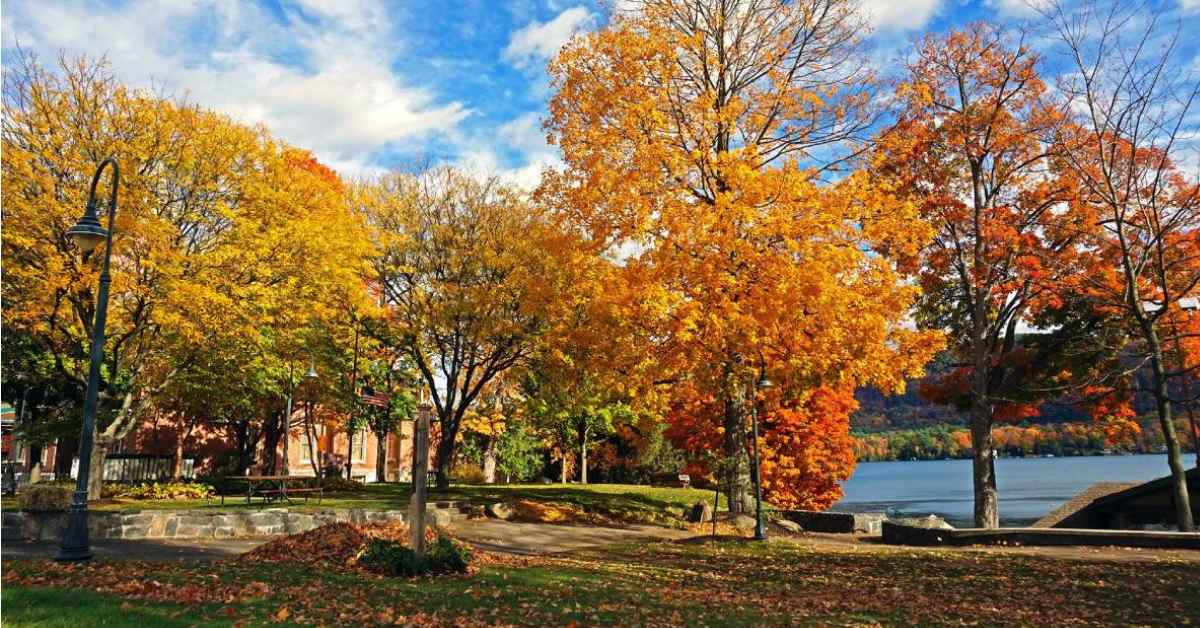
(694, 135)
(1132, 97)
(221, 232)
(969, 146)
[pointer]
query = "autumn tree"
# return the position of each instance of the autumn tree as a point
(1132, 101)
(467, 282)
(497, 410)
(970, 146)
(217, 225)
(695, 134)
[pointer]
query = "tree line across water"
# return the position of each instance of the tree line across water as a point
(751, 220)
(943, 442)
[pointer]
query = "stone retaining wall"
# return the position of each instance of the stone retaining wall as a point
(191, 524)
(897, 534)
(838, 522)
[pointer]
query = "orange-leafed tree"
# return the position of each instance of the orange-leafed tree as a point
(1133, 101)
(694, 135)
(223, 235)
(969, 146)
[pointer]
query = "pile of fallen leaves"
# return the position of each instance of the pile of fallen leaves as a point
(337, 544)
(554, 512)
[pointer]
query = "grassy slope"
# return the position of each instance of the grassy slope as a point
(727, 583)
(625, 502)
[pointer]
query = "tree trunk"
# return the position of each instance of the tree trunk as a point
(563, 472)
(1162, 403)
(489, 461)
(983, 469)
(63, 457)
(445, 451)
(583, 479)
(35, 464)
(96, 478)
(381, 457)
(738, 474)
(349, 453)
(177, 466)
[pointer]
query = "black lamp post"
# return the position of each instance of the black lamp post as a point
(760, 533)
(87, 235)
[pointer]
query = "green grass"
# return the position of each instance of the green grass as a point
(71, 608)
(623, 502)
(730, 583)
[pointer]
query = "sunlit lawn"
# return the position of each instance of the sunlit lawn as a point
(709, 583)
(625, 502)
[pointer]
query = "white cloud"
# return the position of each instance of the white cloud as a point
(537, 42)
(522, 135)
(896, 15)
(1022, 8)
(325, 86)
(1189, 5)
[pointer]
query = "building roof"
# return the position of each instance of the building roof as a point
(1103, 494)
(1095, 492)
(1192, 475)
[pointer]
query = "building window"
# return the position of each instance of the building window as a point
(360, 446)
(306, 448)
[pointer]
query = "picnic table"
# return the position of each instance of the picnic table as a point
(272, 488)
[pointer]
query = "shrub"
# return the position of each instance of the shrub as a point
(336, 484)
(392, 558)
(45, 497)
(468, 473)
(158, 490)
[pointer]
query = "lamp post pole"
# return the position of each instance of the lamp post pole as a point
(87, 233)
(760, 532)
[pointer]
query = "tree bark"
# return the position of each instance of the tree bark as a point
(177, 465)
(381, 457)
(738, 471)
(35, 464)
(983, 470)
(583, 479)
(1162, 403)
(489, 461)
(100, 448)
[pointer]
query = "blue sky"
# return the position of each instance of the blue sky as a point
(372, 85)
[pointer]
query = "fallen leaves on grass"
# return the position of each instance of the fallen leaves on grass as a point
(128, 580)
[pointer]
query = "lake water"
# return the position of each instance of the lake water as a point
(1029, 487)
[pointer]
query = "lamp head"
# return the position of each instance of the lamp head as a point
(312, 372)
(87, 233)
(765, 383)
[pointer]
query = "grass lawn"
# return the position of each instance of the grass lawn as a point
(623, 502)
(729, 582)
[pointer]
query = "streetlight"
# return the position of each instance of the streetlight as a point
(87, 235)
(760, 534)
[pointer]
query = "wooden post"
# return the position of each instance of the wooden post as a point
(420, 470)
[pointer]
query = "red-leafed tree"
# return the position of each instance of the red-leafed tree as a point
(968, 146)
(1131, 99)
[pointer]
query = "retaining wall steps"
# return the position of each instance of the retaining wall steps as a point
(190, 524)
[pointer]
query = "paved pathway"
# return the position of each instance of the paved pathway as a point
(149, 549)
(488, 534)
